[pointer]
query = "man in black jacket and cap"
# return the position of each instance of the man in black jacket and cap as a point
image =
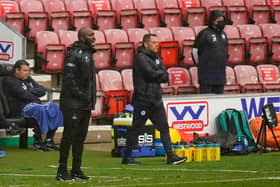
(210, 54)
(148, 74)
(77, 99)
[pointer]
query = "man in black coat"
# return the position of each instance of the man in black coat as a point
(210, 54)
(148, 74)
(22, 90)
(77, 99)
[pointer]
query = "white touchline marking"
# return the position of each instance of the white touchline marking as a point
(199, 170)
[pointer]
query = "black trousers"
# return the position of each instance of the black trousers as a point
(216, 89)
(74, 134)
(156, 113)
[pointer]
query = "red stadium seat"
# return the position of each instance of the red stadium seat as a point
(194, 76)
(255, 42)
(67, 37)
(59, 18)
(236, 46)
(247, 77)
(9, 11)
(51, 51)
(128, 82)
(102, 56)
(168, 48)
(269, 76)
(126, 13)
(170, 12)
(259, 11)
(99, 106)
(80, 14)
(105, 16)
(272, 33)
(116, 97)
(35, 17)
(123, 50)
(197, 29)
(185, 36)
(237, 11)
(231, 86)
(275, 11)
(180, 80)
(135, 35)
(212, 5)
(148, 12)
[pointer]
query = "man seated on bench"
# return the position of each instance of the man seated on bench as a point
(23, 93)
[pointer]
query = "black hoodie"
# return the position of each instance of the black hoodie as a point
(148, 73)
(212, 53)
(79, 81)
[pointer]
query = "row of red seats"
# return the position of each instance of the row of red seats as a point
(116, 91)
(251, 44)
(30, 16)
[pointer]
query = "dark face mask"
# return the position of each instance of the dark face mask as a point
(221, 25)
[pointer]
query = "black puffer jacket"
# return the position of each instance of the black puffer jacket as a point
(148, 73)
(212, 54)
(79, 86)
(21, 92)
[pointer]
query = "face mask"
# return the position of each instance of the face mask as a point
(221, 25)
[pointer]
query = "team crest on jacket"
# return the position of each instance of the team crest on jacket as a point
(213, 36)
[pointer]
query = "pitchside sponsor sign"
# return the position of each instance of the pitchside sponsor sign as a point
(12, 44)
(198, 113)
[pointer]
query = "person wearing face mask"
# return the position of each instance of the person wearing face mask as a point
(209, 53)
(77, 99)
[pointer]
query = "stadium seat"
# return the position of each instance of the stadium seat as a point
(236, 46)
(247, 77)
(99, 106)
(67, 37)
(50, 53)
(170, 12)
(275, 11)
(269, 76)
(128, 82)
(105, 17)
(272, 33)
(59, 18)
(126, 13)
(148, 12)
(212, 5)
(135, 35)
(185, 36)
(194, 14)
(197, 29)
(259, 11)
(9, 11)
(79, 13)
(122, 49)
(103, 55)
(194, 76)
(231, 86)
(168, 48)
(237, 11)
(255, 42)
(116, 97)
(36, 19)
(180, 80)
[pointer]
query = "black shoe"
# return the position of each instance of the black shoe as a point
(174, 160)
(51, 145)
(130, 161)
(79, 175)
(64, 176)
(40, 146)
(14, 130)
